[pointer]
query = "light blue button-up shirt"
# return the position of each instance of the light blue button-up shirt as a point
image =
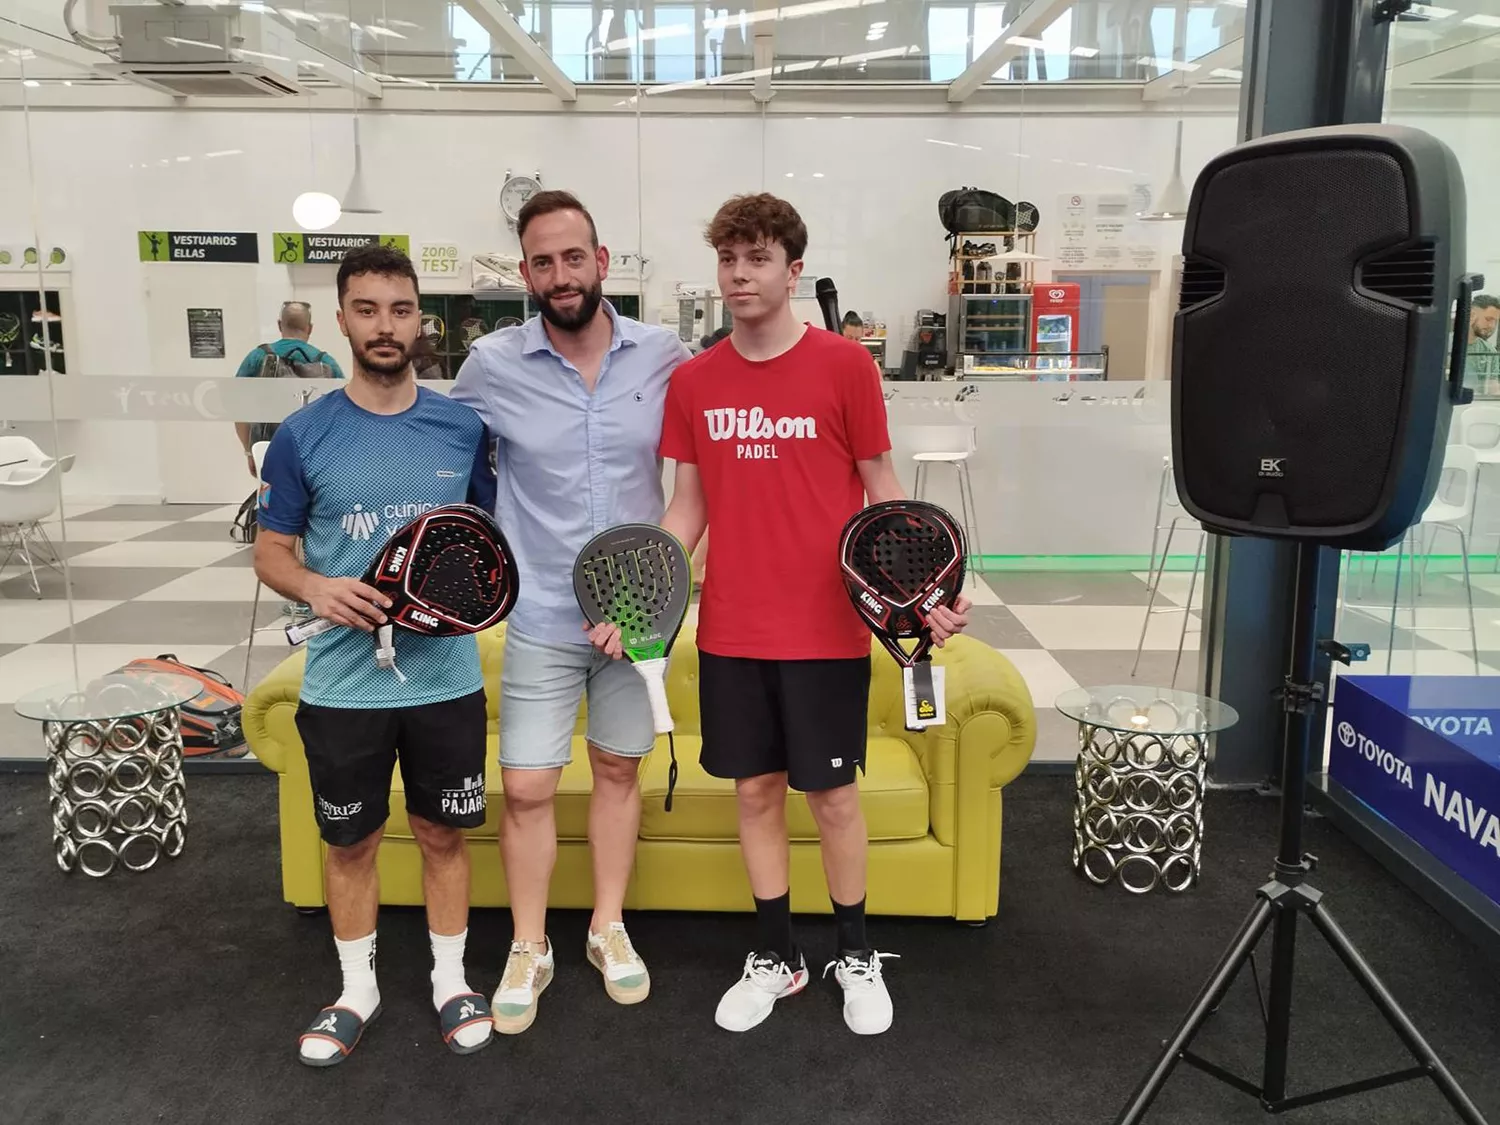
(569, 463)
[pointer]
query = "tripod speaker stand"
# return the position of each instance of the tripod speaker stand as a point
(1281, 902)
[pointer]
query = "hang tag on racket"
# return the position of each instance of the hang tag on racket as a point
(925, 699)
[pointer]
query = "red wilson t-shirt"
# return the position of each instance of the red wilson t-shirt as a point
(776, 444)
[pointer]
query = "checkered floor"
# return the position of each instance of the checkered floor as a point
(151, 579)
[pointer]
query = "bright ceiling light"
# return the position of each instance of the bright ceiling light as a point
(1227, 72)
(1024, 41)
(817, 175)
(791, 175)
(297, 16)
(1085, 52)
(315, 210)
(386, 32)
(946, 144)
(31, 83)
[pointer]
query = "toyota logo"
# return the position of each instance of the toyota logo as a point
(1346, 733)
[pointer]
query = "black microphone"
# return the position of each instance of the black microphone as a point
(828, 301)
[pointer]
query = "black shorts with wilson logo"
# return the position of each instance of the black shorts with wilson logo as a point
(351, 752)
(805, 717)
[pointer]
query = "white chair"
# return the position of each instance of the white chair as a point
(1167, 498)
(17, 451)
(1452, 509)
(1481, 433)
(952, 446)
(27, 497)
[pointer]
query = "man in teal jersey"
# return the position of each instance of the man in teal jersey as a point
(341, 474)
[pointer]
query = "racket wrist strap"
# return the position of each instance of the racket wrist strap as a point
(385, 650)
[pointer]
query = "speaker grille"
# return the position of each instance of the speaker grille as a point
(1202, 280)
(1290, 387)
(1405, 274)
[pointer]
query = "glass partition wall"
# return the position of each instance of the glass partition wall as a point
(173, 225)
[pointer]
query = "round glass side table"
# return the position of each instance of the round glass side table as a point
(1141, 773)
(114, 768)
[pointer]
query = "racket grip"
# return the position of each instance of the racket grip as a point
(296, 634)
(654, 672)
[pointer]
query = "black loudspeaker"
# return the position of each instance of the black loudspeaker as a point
(1319, 342)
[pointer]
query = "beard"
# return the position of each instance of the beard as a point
(380, 369)
(573, 319)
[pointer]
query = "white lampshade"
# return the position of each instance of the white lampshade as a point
(1172, 205)
(316, 210)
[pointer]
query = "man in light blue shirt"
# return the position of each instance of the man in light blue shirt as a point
(573, 403)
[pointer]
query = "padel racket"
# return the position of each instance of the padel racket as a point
(901, 559)
(448, 572)
(638, 578)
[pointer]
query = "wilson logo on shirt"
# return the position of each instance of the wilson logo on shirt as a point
(359, 524)
(751, 430)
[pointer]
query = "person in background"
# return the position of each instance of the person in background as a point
(1482, 368)
(853, 327)
(292, 354)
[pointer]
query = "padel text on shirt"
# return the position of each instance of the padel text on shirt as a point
(776, 444)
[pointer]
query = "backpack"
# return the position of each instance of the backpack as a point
(276, 366)
(211, 722)
(245, 523)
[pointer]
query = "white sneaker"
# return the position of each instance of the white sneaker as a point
(528, 972)
(625, 976)
(867, 1003)
(767, 978)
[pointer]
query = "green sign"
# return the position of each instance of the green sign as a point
(296, 248)
(198, 246)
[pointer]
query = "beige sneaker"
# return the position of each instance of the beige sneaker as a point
(625, 976)
(528, 972)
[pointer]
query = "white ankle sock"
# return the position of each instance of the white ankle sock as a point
(361, 994)
(448, 981)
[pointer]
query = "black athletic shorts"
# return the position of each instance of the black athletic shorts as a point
(807, 717)
(351, 751)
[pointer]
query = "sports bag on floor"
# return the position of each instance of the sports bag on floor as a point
(211, 721)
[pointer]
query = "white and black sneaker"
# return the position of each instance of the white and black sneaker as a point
(867, 1003)
(767, 978)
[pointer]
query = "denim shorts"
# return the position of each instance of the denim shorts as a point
(541, 686)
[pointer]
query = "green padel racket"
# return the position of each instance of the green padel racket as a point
(638, 578)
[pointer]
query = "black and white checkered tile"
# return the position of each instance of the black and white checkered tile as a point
(150, 579)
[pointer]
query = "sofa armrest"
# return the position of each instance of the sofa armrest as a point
(270, 714)
(990, 719)
(987, 740)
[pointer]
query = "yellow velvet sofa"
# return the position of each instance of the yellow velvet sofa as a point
(932, 800)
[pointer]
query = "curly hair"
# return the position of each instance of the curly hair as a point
(760, 218)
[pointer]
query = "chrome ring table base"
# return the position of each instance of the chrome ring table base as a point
(117, 791)
(1138, 814)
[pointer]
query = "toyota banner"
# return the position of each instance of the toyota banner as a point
(1423, 752)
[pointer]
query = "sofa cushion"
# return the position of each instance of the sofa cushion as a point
(893, 792)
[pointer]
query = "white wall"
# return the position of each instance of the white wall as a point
(101, 175)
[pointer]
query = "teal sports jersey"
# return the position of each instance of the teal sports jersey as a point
(345, 479)
(299, 350)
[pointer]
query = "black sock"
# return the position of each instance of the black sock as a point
(851, 922)
(774, 918)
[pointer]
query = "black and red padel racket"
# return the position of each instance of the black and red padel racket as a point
(902, 559)
(448, 572)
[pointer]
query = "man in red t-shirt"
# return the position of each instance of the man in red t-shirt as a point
(779, 434)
